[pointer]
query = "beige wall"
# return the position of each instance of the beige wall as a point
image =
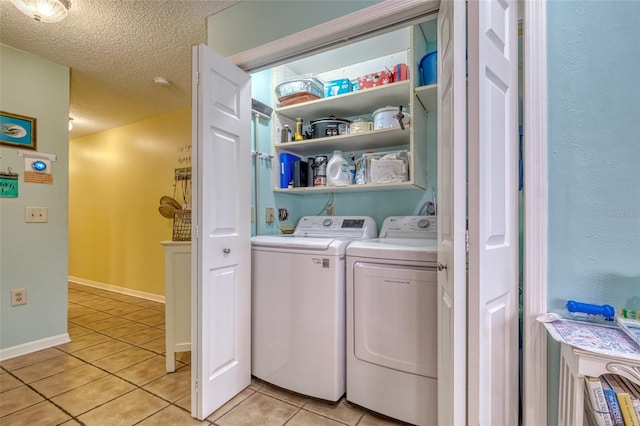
(116, 179)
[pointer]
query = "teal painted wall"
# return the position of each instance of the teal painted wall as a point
(378, 205)
(230, 39)
(34, 255)
(594, 157)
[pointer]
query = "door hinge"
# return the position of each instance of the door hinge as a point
(197, 230)
(466, 240)
(197, 387)
(197, 78)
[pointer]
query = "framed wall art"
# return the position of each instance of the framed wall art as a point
(17, 130)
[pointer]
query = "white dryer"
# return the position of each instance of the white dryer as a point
(392, 320)
(298, 304)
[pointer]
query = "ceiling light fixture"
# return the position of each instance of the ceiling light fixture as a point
(161, 81)
(44, 10)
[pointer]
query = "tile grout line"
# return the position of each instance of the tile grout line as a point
(39, 393)
(109, 373)
(135, 345)
(302, 407)
(136, 387)
(104, 296)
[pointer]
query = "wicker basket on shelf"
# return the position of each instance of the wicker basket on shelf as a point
(182, 225)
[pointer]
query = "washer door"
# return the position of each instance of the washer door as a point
(395, 317)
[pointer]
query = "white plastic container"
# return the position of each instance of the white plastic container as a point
(338, 173)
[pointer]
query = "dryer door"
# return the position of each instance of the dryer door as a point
(395, 317)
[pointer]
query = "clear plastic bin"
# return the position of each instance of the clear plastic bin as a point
(386, 167)
(300, 87)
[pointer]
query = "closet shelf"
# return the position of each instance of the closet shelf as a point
(380, 138)
(428, 96)
(370, 187)
(361, 102)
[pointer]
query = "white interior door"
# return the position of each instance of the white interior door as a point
(452, 202)
(493, 220)
(221, 248)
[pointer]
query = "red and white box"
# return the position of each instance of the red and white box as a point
(375, 79)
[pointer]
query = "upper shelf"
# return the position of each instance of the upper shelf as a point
(380, 138)
(362, 102)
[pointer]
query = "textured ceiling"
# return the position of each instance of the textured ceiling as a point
(114, 49)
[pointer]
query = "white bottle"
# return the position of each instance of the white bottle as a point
(338, 170)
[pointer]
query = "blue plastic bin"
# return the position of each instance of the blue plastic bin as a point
(286, 168)
(429, 68)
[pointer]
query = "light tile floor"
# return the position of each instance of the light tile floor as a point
(113, 373)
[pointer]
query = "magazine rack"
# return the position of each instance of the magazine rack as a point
(577, 363)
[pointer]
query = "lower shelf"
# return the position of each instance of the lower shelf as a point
(370, 187)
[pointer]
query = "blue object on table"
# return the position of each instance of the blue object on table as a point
(607, 311)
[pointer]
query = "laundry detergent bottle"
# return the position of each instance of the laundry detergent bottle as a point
(338, 173)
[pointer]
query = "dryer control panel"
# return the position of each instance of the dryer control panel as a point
(409, 227)
(336, 226)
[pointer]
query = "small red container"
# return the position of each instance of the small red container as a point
(400, 72)
(375, 79)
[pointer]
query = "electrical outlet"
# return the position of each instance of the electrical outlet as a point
(331, 210)
(19, 297)
(269, 215)
(283, 214)
(36, 214)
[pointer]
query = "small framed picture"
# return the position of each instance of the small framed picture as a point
(17, 130)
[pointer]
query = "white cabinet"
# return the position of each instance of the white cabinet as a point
(577, 363)
(177, 271)
(404, 46)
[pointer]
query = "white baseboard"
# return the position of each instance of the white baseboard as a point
(116, 289)
(37, 345)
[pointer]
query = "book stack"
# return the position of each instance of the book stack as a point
(611, 400)
(631, 326)
(595, 403)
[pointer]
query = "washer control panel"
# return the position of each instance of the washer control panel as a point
(336, 226)
(409, 227)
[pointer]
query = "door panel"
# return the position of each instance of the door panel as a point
(222, 355)
(221, 267)
(452, 157)
(493, 238)
(390, 303)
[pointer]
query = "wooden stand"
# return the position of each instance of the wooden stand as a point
(177, 270)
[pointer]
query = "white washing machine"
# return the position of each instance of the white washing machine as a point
(392, 320)
(298, 304)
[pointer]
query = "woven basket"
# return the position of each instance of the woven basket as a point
(182, 225)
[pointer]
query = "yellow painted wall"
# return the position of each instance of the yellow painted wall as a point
(116, 179)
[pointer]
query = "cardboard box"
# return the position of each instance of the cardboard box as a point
(375, 79)
(337, 87)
